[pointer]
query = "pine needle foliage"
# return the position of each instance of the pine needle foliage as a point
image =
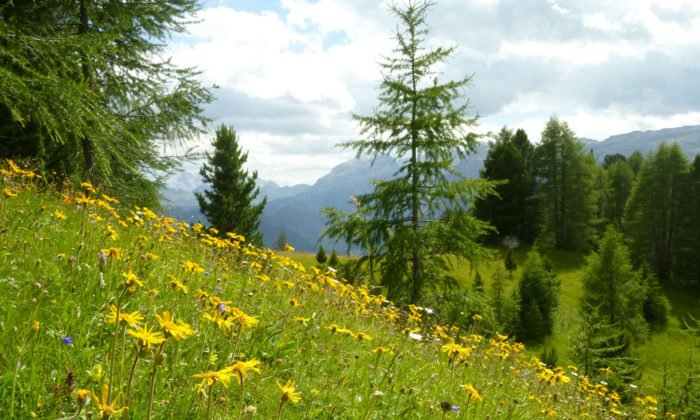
(86, 92)
(229, 204)
(423, 123)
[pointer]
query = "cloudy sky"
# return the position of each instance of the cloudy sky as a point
(291, 72)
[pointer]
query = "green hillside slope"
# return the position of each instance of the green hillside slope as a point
(107, 311)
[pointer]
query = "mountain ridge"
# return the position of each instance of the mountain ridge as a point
(296, 210)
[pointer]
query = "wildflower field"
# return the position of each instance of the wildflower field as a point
(110, 311)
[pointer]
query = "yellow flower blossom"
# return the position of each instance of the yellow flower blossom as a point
(211, 377)
(106, 408)
(113, 253)
(132, 319)
(146, 336)
(241, 369)
(130, 279)
(175, 328)
(362, 336)
(289, 392)
(472, 394)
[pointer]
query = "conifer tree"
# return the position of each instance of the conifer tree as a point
(321, 256)
(653, 215)
(566, 196)
(333, 261)
(86, 90)
(281, 242)
(512, 211)
(229, 204)
(539, 295)
(423, 123)
(614, 287)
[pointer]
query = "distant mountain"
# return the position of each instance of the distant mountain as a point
(687, 137)
(296, 210)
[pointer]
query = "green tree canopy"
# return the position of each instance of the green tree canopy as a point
(512, 210)
(567, 199)
(229, 204)
(86, 91)
(653, 213)
(423, 123)
(539, 296)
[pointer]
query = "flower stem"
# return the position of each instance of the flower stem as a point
(156, 362)
(127, 401)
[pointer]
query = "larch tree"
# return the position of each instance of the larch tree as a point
(612, 312)
(229, 204)
(417, 216)
(86, 91)
(565, 188)
(653, 214)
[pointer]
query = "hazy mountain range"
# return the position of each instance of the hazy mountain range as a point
(295, 210)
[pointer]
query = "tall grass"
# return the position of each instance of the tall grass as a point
(108, 312)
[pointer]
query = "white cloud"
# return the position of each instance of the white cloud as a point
(290, 78)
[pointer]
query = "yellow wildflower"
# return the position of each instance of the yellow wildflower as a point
(362, 336)
(58, 214)
(113, 253)
(242, 368)
(130, 279)
(147, 337)
(211, 377)
(107, 409)
(175, 328)
(472, 394)
(132, 319)
(289, 392)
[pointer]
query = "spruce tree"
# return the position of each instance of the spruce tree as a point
(539, 295)
(229, 203)
(321, 256)
(334, 261)
(423, 123)
(281, 242)
(512, 211)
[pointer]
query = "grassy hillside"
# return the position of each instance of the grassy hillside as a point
(669, 350)
(107, 311)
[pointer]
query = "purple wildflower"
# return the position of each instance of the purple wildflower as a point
(67, 341)
(221, 307)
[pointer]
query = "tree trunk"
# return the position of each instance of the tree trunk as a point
(86, 142)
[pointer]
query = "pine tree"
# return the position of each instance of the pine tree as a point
(539, 294)
(619, 180)
(422, 123)
(333, 261)
(512, 211)
(85, 90)
(321, 256)
(614, 287)
(228, 205)
(612, 313)
(281, 242)
(566, 196)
